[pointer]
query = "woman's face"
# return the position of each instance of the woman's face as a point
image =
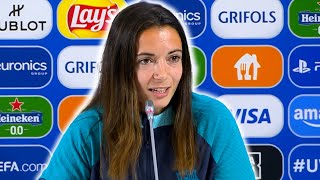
(158, 66)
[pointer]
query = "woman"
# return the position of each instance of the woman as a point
(146, 57)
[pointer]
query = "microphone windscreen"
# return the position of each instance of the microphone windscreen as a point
(149, 108)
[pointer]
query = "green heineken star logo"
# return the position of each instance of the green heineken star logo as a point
(304, 18)
(24, 116)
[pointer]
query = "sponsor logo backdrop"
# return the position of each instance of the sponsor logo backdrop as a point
(261, 58)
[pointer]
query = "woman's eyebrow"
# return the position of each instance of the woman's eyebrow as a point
(150, 54)
(176, 50)
(145, 54)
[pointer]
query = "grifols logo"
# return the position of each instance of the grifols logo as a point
(86, 18)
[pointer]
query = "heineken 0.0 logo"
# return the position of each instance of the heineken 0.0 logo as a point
(25, 116)
(304, 18)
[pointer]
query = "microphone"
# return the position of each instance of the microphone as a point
(149, 110)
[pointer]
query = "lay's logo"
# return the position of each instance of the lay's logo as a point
(85, 18)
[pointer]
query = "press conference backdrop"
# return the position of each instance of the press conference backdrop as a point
(261, 58)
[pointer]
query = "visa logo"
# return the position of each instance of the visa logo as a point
(252, 116)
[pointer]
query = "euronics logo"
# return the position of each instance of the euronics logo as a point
(25, 67)
(304, 115)
(22, 66)
(25, 116)
(304, 18)
(192, 13)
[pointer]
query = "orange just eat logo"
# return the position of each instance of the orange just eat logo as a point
(86, 18)
(68, 109)
(247, 66)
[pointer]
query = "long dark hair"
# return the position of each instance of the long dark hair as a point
(117, 94)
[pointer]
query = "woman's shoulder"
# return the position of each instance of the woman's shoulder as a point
(78, 148)
(211, 116)
(88, 117)
(207, 105)
(86, 123)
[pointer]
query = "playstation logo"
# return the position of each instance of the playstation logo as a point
(302, 68)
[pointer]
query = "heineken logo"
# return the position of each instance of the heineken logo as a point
(25, 116)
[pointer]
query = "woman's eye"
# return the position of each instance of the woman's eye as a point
(175, 58)
(145, 61)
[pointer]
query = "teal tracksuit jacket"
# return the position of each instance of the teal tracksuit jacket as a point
(222, 153)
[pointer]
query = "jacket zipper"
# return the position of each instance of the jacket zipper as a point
(148, 149)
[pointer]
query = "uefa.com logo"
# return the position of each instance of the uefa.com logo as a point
(304, 115)
(25, 19)
(258, 116)
(304, 162)
(192, 13)
(247, 19)
(22, 161)
(25, 67)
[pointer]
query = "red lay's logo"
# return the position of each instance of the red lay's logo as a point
(90, 17)
(86, 18)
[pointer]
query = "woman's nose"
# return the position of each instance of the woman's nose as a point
(160, 70)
